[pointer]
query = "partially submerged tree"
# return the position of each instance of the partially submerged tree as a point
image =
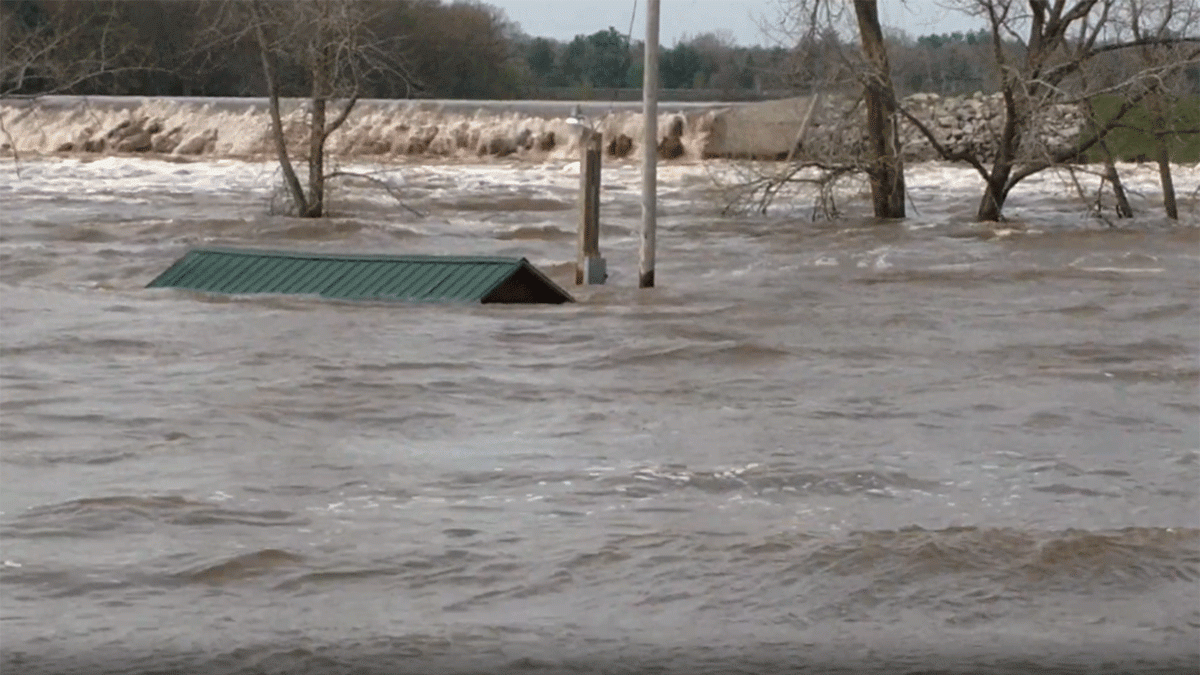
(1040, 52)
(325, 49)
(886, 165)
(1110, 175)
(1037, 73)
(827, 68)
(1152, 24)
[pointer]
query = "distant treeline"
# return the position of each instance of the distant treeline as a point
(464, 49)
(173, 48)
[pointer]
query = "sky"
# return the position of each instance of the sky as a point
(563, 20)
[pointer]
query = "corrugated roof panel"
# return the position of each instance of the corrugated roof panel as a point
(251, 275)
(305, 277)
(361, 280)
(486, 281)
(436, 282)
(345, 285)
(465, 278)
(220, 270)
(427, 280)
(368, 281)
(336, 284)
(449, 286)
(397, 278)
(321, 277)
(378, 279)
(196, 273)
(452, 286)
(291, 278)
(261, 274)
(363, 276)
(437, 274)
(234, 274)
(283, 277)
(477, 281)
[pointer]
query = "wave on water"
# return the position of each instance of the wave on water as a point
(762, 480)
(94, 516)
(536, 232)
(970, 565)
(524, 204)
(732, 352)
(636, 483)
(1067, 559)
(244, 566)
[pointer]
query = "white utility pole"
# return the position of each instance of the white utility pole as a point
(649, 149)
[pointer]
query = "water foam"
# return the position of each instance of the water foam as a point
(376, 129)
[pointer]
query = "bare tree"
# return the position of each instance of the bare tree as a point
(1152, 24)
(1122, 207)
(827, 68)
(324, 47)
(1036, 74)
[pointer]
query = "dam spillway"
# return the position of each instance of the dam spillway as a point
(379, 129)
(525, 130)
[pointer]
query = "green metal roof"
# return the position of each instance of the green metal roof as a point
(417, 278)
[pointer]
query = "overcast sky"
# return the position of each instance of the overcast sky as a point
(564, 19)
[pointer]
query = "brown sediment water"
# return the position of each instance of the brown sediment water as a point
(929, 445)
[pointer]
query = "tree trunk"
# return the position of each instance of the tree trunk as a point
(886, 168)
(1124, 210)
(321, 62)
(1110, 168)
(1162, 154)
(316, 159)
(281, 152)
(1168, 186)
(992, 205)
(1016, 119)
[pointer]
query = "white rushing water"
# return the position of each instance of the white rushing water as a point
(228, 127)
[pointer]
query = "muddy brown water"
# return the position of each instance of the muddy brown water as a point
(831, 447)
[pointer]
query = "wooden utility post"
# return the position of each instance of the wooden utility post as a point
(649, 149)
(589, 266)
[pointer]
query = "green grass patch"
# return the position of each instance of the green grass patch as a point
(1133, 139)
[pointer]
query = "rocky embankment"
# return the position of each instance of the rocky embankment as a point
(973, 124)
(527, 130)
(837, 131)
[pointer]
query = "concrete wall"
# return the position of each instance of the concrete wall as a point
(764, 130)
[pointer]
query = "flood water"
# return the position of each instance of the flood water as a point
(841, 446)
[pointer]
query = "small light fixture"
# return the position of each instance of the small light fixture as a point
(578, 119)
